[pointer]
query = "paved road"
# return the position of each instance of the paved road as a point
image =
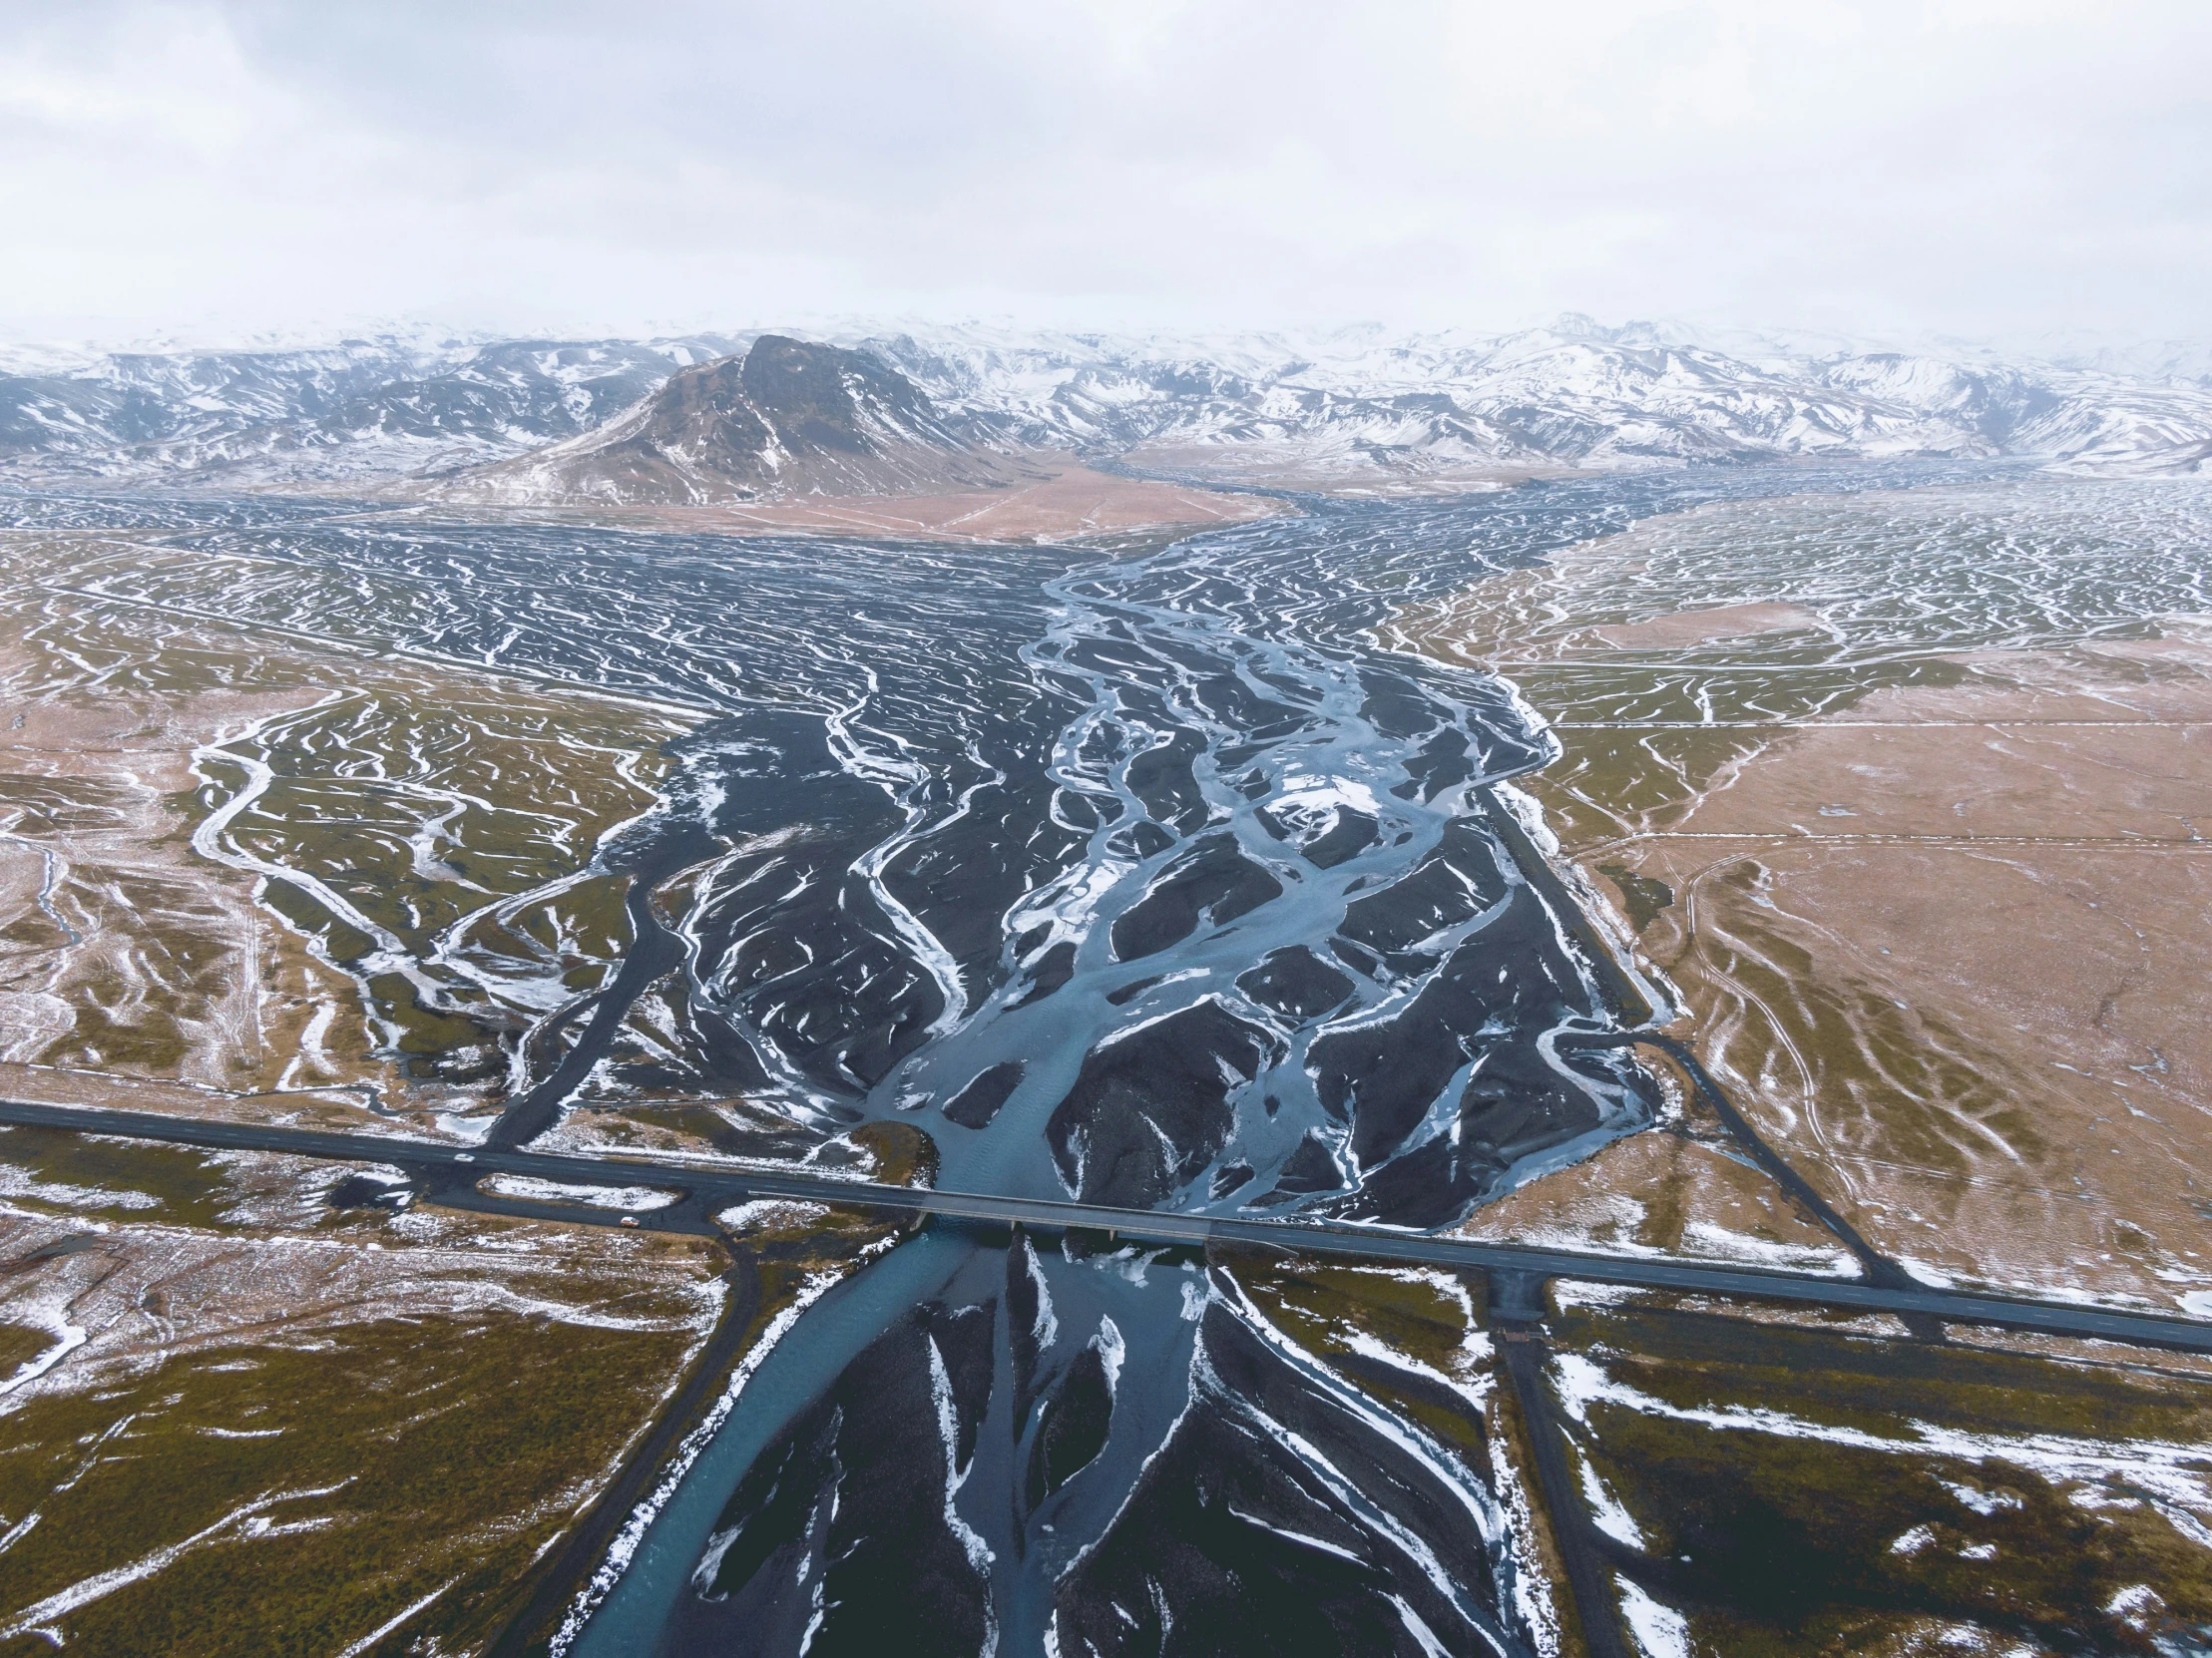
(1597, 1607)
(437, 1164)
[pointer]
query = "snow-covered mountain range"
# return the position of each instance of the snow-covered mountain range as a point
(1346, 406)
(787, 418)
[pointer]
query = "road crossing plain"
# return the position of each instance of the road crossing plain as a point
(713, 1191)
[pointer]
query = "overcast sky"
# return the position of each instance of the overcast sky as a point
(1999, 171)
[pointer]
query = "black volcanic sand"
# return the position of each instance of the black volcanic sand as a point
(1284, 1509)
(952, 791)
(851, 1502)
(1236, 1541)
(1214, 883)
(1145, 878)
(1153, 1110)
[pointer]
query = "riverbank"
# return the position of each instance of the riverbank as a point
(1916, 840)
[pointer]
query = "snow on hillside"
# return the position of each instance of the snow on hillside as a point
(1337, 406)
(1572, 393)
(789, 418)
(359, 410)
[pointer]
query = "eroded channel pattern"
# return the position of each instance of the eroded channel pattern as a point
(1142, 879)
(1146, 878)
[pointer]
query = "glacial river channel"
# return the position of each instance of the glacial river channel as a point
(1137, 873)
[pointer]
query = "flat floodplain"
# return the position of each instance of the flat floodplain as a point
(254, 1404)
(1903, 794)
(1899, 799)
(1772, 1487)
(1146, 870)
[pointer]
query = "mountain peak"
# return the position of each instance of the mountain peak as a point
(729, 418)
(790, 417)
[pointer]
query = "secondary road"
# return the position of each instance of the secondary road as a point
(712, 1188)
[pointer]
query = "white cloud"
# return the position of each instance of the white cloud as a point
(1979, 167)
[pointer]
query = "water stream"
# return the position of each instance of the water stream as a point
(1145, 877)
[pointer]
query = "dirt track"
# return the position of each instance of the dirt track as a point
(1940, 919)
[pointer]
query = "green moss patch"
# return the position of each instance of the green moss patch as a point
(331, 1480)
(2004, 1502)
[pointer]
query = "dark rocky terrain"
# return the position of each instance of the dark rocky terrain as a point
(789, 418)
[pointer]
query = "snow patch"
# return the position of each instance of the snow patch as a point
(1661, 1631)
(598, 1197)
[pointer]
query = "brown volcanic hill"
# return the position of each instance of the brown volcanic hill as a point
(789, 418)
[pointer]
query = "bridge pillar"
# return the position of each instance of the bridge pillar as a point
(1516, 1296)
